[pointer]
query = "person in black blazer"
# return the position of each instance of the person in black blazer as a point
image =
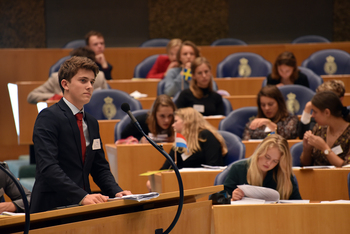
(62, 175)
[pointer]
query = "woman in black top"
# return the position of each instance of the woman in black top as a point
(156, 124)
(285, 71)
(201, 95)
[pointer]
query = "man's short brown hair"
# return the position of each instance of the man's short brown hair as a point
(71, 67)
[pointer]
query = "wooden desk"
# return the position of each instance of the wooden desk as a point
(323, 184)
(240, 86)
(250, 146)
(165, 182)
(125, 216)
(281, 218)
(146, 86)
(344, 78)
(127, 162)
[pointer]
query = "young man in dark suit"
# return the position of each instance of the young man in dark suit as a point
(68, 149)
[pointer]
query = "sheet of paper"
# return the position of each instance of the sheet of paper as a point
(247, 200)
(317, 167)
(137, 197)
(295, 201)
(258, 192)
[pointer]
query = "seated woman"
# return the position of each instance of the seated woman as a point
(270, 166)
(156, 124)
(201, 95)
(165, 62)
(306, 122)
(272, 116)
(204, 144)
(285, 71)
(328, 143)
(174, 81)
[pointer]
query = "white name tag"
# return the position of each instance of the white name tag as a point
(337, 150)
(96, 144)
(199, 108)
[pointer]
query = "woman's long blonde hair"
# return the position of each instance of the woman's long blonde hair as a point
(193, 124)
(282, 171)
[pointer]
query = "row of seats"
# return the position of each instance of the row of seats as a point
(162, 42)
(247, 64)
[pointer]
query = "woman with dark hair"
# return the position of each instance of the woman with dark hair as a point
(201, 95)
(157, 123)
(328, 143)
(272, 116)
(270, 166)
(285, 71)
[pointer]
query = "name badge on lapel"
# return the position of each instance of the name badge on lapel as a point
(96, 144)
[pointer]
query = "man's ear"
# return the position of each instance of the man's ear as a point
(64, 84)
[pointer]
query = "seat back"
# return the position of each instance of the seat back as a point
(160, 87)
(349, 184)
(227, 41)
(235, 122)
(243, 64)
(235, 147)
(310, 39)
(221, 177)
(125, 121)
(156, 42)
(57, 65)
(296, 97)
(314, 79)
(75, 44)
(106, 103)
(296, 151)
(328, 62)
(141, 70)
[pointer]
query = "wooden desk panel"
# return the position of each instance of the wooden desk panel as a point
(323, 184)
(281, 218)
(250, 146)
(146, 86)
(127, 162)
(240, 86)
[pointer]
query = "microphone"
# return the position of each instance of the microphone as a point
(126, 108)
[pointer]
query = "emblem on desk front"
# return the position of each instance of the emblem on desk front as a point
(108, 109)
(330, 67)
(244, 70)
(292, 104)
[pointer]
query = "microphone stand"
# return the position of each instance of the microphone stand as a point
(24, 198)
(178, 176)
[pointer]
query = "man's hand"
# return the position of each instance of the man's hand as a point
(7, 206)
(94, 199)
(123, 193)
(100, 58)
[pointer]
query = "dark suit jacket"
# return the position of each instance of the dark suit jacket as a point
(9, 187)
(61, 177)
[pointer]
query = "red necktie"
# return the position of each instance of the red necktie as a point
(79, 117)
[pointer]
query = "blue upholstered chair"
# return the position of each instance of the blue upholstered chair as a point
(125, 121)
(235, 122)
(75, 44)
(106, 103)
(221, 177)
(57, 65)
(227, 41)
(15, 166)
(296, 151)
(310, 39)
(156, 42)
(328, 62)
(235, 147)
(301, 94)
(141, 70)
(244, 64)
(314, 79)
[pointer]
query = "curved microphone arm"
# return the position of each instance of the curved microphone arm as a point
(178, 176)
(126, 108)
(24, 198)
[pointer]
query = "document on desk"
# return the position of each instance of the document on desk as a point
(137, 197)
(7, 213)
(317, 167)
(259, 192)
